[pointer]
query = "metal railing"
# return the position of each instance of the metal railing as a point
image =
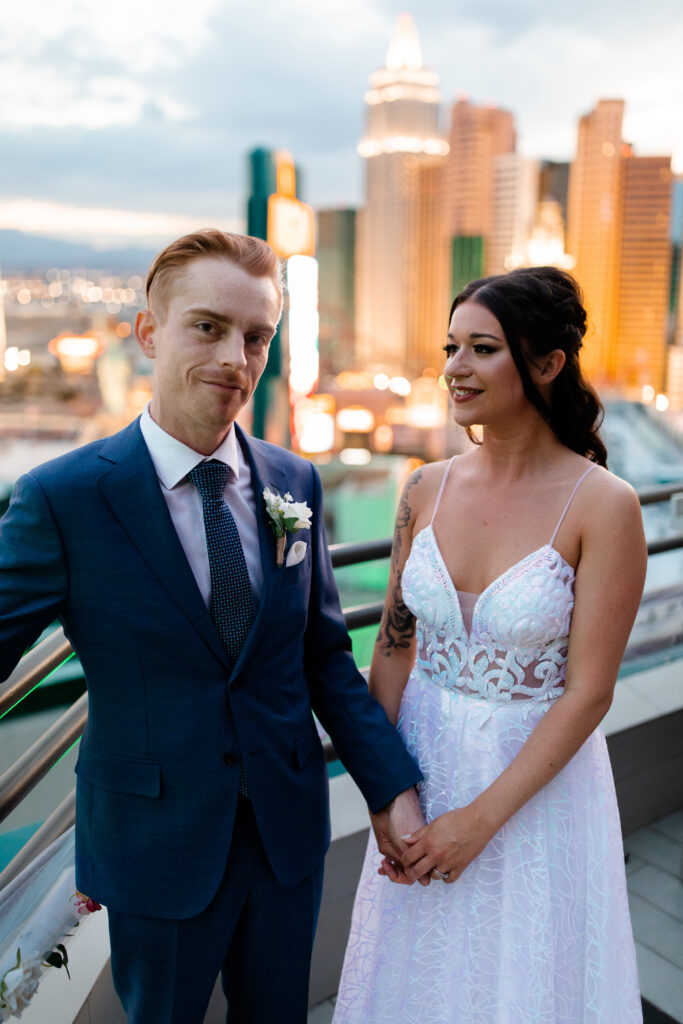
(50, 653)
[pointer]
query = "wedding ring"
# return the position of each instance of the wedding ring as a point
(443, 875)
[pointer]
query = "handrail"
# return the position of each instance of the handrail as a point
(33, 668)
(35, 763)
(353, 553)
(62, 818)
(651, 495)
(46, 656)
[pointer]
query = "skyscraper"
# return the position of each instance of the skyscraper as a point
(638, 356)
(593, 228)
(618, 231)
(477, 136)
(402, 135)
(336, 288)
(513, 210)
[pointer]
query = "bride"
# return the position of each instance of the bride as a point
(516, 573)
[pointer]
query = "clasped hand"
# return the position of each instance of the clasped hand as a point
(442, 849)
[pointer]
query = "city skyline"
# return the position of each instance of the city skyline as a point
(133, 124)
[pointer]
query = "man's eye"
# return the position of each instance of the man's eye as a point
(205, 327)
(257, 339)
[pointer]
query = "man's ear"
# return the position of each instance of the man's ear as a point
(145, 325)
(551, 365)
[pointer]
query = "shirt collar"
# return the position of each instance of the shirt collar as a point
(173, 459)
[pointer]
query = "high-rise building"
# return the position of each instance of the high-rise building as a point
(618, 231)
(336, 239)
(593, 228)
(514, 206)
(431, 309)
(638, 356)
(554, 185)
(477, 136)
(402, 136)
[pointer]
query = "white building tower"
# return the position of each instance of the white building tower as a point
(402, 137)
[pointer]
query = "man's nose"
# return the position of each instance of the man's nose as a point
(231, 350)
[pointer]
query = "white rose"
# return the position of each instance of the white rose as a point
(302, 512)
(21, 983)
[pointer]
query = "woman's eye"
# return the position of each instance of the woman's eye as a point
(483, 350)
(450, 349)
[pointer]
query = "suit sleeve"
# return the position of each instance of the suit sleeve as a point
(33, 573)
(367, 743)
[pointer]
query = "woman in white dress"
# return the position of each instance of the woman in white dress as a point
(516, 573)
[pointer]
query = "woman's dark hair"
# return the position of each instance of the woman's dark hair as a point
(540, 309)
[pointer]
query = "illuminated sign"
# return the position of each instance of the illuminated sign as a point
(291, 223)
(76, 353)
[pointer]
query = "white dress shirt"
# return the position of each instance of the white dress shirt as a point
(173, 460)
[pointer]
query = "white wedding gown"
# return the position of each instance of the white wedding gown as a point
(537, 929)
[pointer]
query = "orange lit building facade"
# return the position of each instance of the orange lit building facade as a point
(618, 218)
(639, 354)
(478, 135)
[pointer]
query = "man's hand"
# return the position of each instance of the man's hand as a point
(400, 818)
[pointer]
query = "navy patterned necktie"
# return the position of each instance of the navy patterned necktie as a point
(232, 602)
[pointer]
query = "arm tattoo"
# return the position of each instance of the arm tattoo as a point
(397, 628)
(398, 622)
(403, 517)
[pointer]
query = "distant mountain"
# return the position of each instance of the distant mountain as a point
(24, 253)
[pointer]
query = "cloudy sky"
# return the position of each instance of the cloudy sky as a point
(130, 120)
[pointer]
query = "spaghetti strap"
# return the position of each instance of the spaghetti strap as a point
(443, 484)
(571, 498)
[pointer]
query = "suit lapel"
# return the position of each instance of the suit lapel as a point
(265, 472)
(131, 489)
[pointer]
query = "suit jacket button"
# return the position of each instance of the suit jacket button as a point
(231, 760)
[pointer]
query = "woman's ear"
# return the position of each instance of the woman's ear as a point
(551, 365)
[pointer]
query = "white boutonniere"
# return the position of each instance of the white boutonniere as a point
(286, 516)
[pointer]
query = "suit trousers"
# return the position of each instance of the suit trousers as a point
(256, 932)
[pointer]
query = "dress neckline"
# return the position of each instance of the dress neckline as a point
(499, 578)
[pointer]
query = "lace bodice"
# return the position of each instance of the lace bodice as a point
(514, 645)
(517, 646)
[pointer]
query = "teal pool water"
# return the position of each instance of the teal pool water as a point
(12, 842)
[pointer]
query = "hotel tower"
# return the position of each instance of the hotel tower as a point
(402, 142)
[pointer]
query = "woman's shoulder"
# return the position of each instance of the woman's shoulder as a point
(607, 499)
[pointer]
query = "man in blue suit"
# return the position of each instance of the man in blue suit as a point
(202, 811)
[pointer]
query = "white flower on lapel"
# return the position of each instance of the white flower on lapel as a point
(286, 516)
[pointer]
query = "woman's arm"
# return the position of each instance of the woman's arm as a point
(392, 660)
(609, 585)
(394, 653)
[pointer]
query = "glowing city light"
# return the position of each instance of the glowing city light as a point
(11, 358)
(303, 323)
(661, 403)
(403, 144)
(355, 456)
(76, 353)
(400, 386)
(648, 392)
(317, 434)
(381, 381)
(355, 419)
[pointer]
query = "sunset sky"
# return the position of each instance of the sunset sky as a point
(130, 121)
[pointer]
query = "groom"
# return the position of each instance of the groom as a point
(202, 815)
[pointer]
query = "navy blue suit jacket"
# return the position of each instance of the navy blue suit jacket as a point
(88, 539)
